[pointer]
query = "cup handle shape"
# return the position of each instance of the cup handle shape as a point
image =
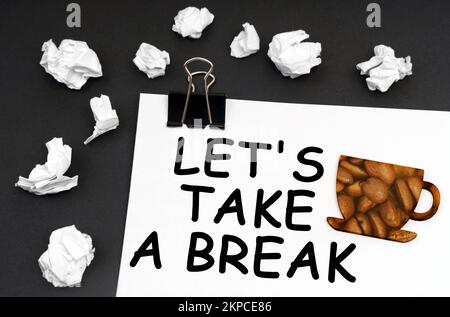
(436, 200)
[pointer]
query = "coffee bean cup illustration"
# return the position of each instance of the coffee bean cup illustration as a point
(377, 199)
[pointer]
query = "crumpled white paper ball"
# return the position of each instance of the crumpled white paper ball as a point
(246, 42)
(49, 178)
(384, 68)
(293, 57)
(105, 117)
(151, 60)
(68, 254)
(73, 63)
(191, 21)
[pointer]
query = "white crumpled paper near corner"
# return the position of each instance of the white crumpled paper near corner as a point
(191, 22)
(105, 116)
(73, 63)
(151, 60)
(49, 178)
(68, 254)
(384, 68)
(246, 42)
(291, 55)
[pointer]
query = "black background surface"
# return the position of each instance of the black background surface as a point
(35, 108)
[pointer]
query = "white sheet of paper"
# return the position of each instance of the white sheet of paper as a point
(381, 267)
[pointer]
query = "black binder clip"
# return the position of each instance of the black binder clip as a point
(197, 110)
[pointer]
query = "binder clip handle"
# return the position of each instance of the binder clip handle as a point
(191, 86)
(195, 109)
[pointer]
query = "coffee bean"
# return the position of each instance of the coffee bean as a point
(404, 171)
(379, 229)
(364, 223)
(390, 214)
(375, 189)
(404, 195)
(344, 176)
(354, 189)
(383, 171)
(352, 225)
(355, 160)
(402, 235)
(364, 204)
(346, 205)
(355, 170)
(339, 187)
(415, 185)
